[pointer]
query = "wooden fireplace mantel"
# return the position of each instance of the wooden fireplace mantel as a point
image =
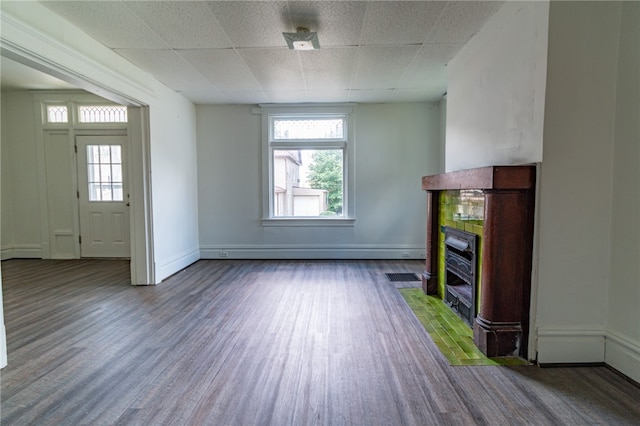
(493, 177)
(501, 326)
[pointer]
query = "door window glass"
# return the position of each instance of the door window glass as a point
(104, 171)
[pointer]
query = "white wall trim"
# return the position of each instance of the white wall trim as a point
(3, 344)
(623, 354)
(6, 252)
(297, 251)
(558, 345)
(170, 266)
(22, 42)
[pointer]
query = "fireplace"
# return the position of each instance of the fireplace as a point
(501, 290)
(460, 272)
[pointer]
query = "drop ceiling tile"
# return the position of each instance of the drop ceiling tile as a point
(327, 96)
(206, 96)
(370, 96)
(224, 68)
(286, 96)
(245, 97)
(328, 69)
(111, 23)
(418, 95)
(381, 67)
(182, 24)
(275, 69)
(338, 23)
(462, 19)
(253, 24)
(399, 22)
(428, 64)
(168, 67)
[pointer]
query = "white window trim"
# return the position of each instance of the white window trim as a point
(348, 144)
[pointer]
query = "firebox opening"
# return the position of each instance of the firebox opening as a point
(460, 269)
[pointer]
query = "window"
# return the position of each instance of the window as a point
(57, 114)
(102, 114)
(307, 154)
(104, 168)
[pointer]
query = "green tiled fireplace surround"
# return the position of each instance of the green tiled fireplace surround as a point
(506, 242)
(463, 210)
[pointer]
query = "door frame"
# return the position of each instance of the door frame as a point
(138, 186)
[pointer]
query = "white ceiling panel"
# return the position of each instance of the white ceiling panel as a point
(234, 52)
(169, 68)
(245, 97)
(429, 62)
(109, 22)
(328, 69)
(461, 20)
(253, 24)
(225, 68)
(286, 96)
(338, 23)
(382, 67)
(412, 95)
(404, 22)
(206, 96)
(182, 25)
(327, 96)
(275, 69)
(370, 96)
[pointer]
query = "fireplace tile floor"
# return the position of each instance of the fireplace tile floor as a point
(451, 335)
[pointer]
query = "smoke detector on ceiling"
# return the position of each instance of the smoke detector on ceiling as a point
(302, 39)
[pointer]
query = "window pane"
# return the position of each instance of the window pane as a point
(94, 173)
(116, 155)
(330, 128)
(118, 194)
(102, 114)
(104, 173)
(308, 182)
(57, 114)
(106, 192)
(94, 192)
(116, 171)
(105, 154)
(93, 154)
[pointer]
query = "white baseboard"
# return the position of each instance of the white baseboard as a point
(3, 345)
(311, 252)
(21, 251)
(172, 265)
(623, 354)
(570, 345)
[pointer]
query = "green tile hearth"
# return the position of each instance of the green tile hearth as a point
(450, 334)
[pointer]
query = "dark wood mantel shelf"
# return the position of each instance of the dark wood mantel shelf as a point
(494, 177)
(501, 326)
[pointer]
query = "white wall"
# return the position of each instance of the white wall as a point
(623, 325)
(20, 196)
(29, 30)
(174, 184)
(496, 91)
(586, 301)
(576, 182)
(395, 146)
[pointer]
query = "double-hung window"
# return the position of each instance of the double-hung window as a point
(308, 164)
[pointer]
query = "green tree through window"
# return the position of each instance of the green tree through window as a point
(325, 172)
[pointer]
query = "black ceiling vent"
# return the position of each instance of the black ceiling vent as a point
(402, 276)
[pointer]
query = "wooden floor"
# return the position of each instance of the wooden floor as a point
(260, 342)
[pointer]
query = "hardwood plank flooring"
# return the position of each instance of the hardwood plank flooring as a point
(261, 343)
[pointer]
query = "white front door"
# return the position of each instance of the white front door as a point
(103, 197)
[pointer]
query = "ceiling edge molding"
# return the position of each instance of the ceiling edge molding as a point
(31, 47)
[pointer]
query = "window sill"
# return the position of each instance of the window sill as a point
(310, 222)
